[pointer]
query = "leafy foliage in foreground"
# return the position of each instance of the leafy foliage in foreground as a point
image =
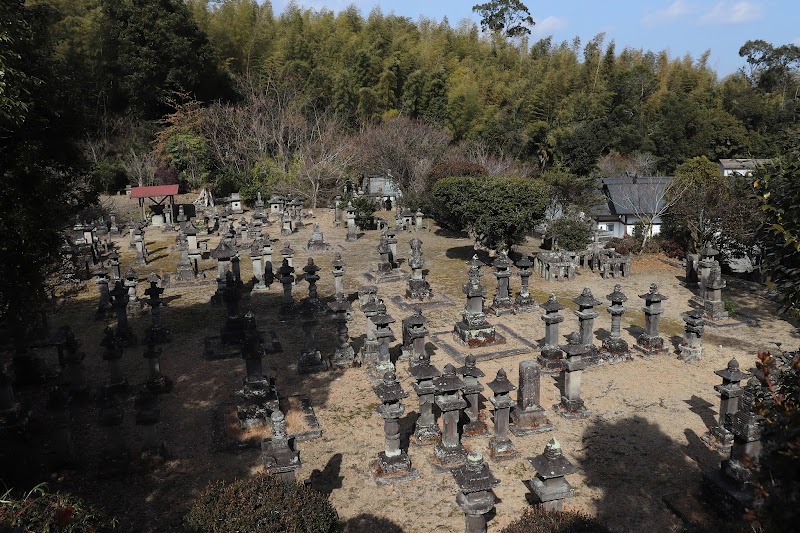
(40, 510)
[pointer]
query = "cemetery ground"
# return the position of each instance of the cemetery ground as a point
(640, 444)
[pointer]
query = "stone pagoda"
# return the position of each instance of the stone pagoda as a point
(474, 330)
(691, 349)
(719, 436)
(278, 453)
(343, 356)
(586, 315)
(472, 393)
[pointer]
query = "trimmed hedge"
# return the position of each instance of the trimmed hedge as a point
(534, 520)
(261, 504)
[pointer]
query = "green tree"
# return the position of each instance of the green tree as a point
(40, 162)
(496, 211)
(713, 208)
(152, 51)
(778, 188)
(509, 18)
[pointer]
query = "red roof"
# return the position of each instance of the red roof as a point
(157, 190)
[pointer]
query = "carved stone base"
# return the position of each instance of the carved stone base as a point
(343, 358)
(571, 409)
(474, 336)
(689, 354)
(502, 307)
(615, 351)
(474, 428)
(529, 421)
(502, 450)
(160, 384)
(445, 459)
(426, 435)
(725, 497)
(524, 304)
(714, 310)
(551, 359)
(392, 469)
(311, 362)
(650, 346)
(719, 439)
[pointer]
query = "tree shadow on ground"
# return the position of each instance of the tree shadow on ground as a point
(328, 479)
(635, 466)
(444, 232)
(367, 523)
(465, 253)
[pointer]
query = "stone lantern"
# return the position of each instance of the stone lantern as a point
(550, 487)
(524, 301)
(383, 334)
(393, 463)
(344, 356)
(257, 256)
(475, 497)
(615, 349)
(426, 430)
(500, 446)
(502, 302)
(650, 343)
(449, 452)
(310, 357)
(351, 223)
(285, 272)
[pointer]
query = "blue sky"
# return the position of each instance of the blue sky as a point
(679, 26)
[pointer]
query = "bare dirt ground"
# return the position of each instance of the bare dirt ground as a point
(640, 444)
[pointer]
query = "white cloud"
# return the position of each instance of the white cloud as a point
(726, 12)
(548, 26)
(676, 10)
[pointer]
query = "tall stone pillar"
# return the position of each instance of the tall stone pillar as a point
(426, 430)
(310, 357)
(524, 301)
(343, 356)
(351, 223)
(256, 256)
(287, 280)
(338, 274)
(528, 416)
